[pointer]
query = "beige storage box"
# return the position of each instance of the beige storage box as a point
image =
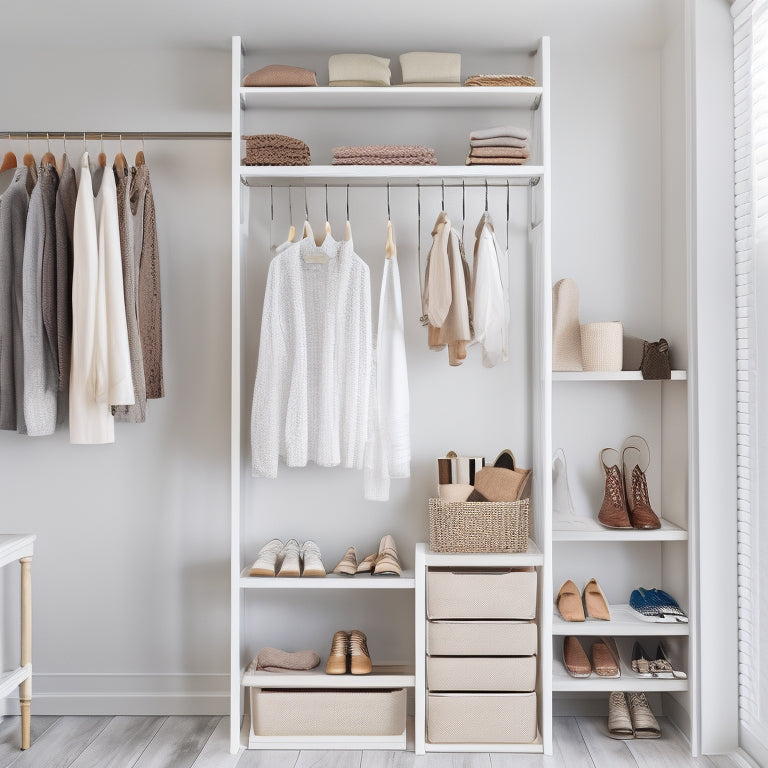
(481, 718)
(482, 638)
(491, 673)
(503, 594)
(324, 712)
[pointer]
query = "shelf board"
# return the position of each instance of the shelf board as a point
(623, 621)
(588, 529)
(331, 581)
(535, 747)
(419, 97)
(382, 676)
(611, 376)
(396, 175)
(13, 679)
(532, 556)
(629, 681)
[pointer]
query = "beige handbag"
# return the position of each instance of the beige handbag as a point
(566, 334)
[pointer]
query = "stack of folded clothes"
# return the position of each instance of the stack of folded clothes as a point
(502, 145)
(384, 154)
(275, 149)
(361, 69)
(280, 76)
(431, 69)
(500, 80)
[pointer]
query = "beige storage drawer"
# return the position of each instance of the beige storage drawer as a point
(327, 712)
(503, 594)
(477, 718)
(482, 638)
(493, 673)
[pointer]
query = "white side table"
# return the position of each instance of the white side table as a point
(19, 547)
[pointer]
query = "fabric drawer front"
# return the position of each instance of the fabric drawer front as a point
(482, 638)
(464, 673)
(327, 712)
(481, 595)
(492, 718)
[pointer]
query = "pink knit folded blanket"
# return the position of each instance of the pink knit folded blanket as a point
(275, 660)
(383, 150)
(393, 160)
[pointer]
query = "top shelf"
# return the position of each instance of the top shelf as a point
(420, 97)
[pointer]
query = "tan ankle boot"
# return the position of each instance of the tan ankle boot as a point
(359, 658)
(337, 659)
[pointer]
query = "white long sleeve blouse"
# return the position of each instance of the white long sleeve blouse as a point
(313, 381)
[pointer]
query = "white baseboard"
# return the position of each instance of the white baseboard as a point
(126, 694)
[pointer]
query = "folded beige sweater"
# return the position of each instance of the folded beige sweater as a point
(275, 660)
(499, 152)
(495, 160)
(358, 67)
(497, 131)
(280, 75)
(499, 141)
(429, 67)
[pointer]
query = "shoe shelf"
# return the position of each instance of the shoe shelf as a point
(424, 97)
(624, 621)
(588, 529)
(331, 581)
(612, 376)
(382, 676)
(531, 557)
(629, 681)
(395, 175)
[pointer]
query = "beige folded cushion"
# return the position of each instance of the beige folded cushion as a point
(358, 66)
(428, 67)
(280, 75)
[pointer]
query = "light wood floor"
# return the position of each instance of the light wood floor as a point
(201, 742)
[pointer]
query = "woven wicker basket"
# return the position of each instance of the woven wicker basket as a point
(478, 526)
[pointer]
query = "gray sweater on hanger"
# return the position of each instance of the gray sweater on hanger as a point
(41, 376)
(66, 198)
(13, 220)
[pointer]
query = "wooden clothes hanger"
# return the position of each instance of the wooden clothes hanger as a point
(292, 229)
(9, 159)
(121, 164)
(140, 160)
(102, 156)
(48, 158)
(29, 158)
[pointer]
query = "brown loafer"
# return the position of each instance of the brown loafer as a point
(613, 511)
(575, 658)
(595, 603)
(337, 659)
(569, 602)
(359, 658)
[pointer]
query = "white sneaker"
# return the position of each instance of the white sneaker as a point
(310, 556)
(290, 566)
(266, 561)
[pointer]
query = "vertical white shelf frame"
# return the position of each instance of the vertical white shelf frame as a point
(540, 356)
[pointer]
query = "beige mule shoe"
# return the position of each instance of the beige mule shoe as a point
(347, 566)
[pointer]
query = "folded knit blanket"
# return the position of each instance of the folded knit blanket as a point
(517, 80)
(276, 156)
(499, 141)
(383, 150)
(275, 660)
(358, 66)
(280, 75)
(495, 160)
(273, 141)
(390, 160)
(499, 152)
(511, 131)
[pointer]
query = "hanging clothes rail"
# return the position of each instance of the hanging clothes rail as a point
(115, 135)
(423, 182)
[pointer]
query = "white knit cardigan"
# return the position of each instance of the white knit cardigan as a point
(313, 381)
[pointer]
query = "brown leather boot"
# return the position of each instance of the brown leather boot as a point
(613, 511)
(636, 458)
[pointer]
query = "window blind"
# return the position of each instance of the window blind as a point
(751, 220)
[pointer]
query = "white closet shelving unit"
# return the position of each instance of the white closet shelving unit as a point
(536, 177)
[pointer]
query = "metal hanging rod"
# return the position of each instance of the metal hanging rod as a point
(115, 135)
(431, 182)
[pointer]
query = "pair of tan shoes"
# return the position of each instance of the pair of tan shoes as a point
(385, 562)
(630, 717)
(604, 662)
(625, 502)
(576, 606)
(349, 652)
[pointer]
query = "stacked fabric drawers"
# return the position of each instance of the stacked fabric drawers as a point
(482, 641)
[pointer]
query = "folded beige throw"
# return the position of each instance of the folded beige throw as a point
(384, 154)
(499, 152)
(495, 160)
(498, 141)
(275, 660)
(280, 75)
(498, 131)
(275, 149)
(358, 66)
(506, 80)
(274, 141)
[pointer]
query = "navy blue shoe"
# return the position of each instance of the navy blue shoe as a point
(644, 606)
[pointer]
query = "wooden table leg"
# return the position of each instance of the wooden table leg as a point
(25, 689)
